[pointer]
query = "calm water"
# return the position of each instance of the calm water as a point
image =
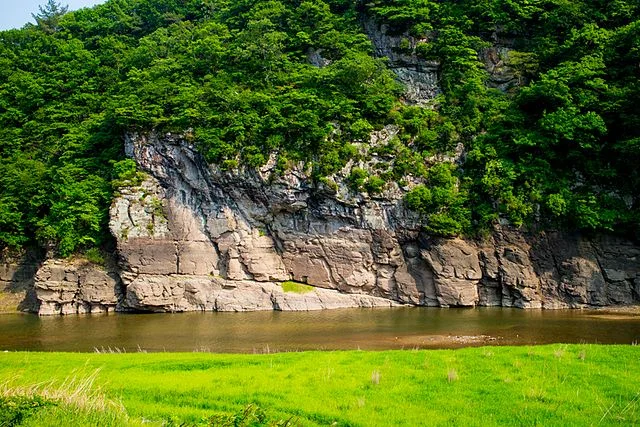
(322, 330)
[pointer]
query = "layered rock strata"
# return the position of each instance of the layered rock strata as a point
(187, 242)
(194, 237)
(76, 287)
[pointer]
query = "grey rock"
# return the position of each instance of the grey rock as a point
(419, 77)
(228, 238)
(17, 277)
(194, 237)
(456, 270)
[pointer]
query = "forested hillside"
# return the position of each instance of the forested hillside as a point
(560, 149)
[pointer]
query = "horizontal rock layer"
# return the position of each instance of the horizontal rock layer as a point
(70, 287)
(193, 237)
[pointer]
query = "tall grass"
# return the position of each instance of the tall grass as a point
(75, 400)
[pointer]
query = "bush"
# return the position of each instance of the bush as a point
(419, 199)
(360, 130)
(95, 256)
(251, 416)
(126, 174)
(374, 185)
(15, 409)
(357, 179)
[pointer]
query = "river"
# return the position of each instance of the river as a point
(349, 329)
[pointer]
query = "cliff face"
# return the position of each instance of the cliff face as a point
(70, 287)
(193, 237)
(420, 77)
(17, 273)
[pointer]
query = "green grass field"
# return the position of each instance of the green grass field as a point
(541, 385)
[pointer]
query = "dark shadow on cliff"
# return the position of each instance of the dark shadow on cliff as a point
(583, 269)
(23, 280)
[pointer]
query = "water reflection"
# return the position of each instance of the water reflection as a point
(321, 330)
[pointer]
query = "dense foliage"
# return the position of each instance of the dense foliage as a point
(235, 73)
(560, 149)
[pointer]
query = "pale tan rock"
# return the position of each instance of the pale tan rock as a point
(341, 260)
(235, 233)
(258, 254)
(321, 299)
(456, 271)
(84, 288)
(99, 287)
(197, 258)
(150, 256)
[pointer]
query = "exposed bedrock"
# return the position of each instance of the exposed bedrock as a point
(77, 287)
(419, 76)
(17, 278)
(194, 237)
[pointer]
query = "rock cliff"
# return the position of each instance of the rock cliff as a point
(420, 77)
(77, 287)
(194, 237)
(17, 272)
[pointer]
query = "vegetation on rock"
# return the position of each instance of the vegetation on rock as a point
(243, 79)
(296, 287)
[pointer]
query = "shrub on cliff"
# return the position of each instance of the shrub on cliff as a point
(247, 78)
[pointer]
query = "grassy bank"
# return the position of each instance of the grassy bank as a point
(546, 385)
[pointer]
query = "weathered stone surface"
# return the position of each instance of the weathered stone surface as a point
(70, 287)
(419, 77)
(258, 253)
(496, 62)
(321, 299)
(228, 237)
(162, 293)
(17, 276)
(150, 256)
(456, 269)
(196, 258)
(192, 236)
(520, 284)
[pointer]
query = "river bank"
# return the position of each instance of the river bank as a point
(550, 385)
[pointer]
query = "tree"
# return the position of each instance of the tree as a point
(49, 17)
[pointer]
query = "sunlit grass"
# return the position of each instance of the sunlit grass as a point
(75, 400)
(545, 385)
(297, 287)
